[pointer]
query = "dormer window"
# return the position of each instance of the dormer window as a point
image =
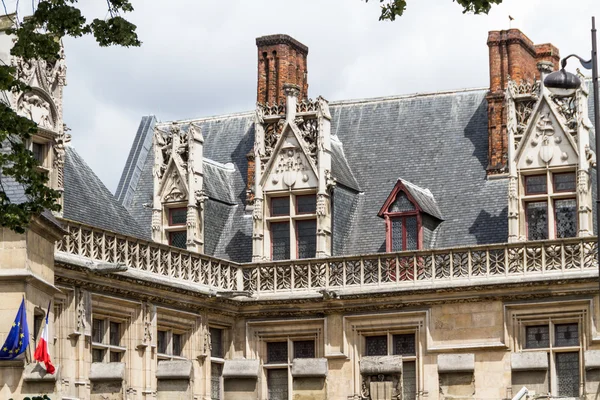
(550, 205)
(411, 214)
(293, 226)
(177, 230)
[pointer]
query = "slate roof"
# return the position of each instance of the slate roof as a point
(88, 201)
(424, 198)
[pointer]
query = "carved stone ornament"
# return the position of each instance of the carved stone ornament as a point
(544, 133)
(34, 106)
(290, 165)
(175, 193)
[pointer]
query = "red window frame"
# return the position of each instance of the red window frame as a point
(171, 216)
(534, 176)
(314, 196)
(554, 211)
(389, 216)
(297, 236)
(289, 238)
(526, 203)
(170, 234)
(273, 214)
(563, 191)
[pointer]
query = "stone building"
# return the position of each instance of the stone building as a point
(435, 246)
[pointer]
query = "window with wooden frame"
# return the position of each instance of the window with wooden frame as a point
(107, 333)
(550, 205)
(217, 360)
(177, 230)
(397, 343)
(278, 365)
(404, 228)
(292, 222)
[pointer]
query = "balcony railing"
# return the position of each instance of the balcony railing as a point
(474, 264)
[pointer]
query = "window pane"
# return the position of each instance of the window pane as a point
(307, 238)
(304, 349)
(567, 374)
(280, 206)
(566, 335)
(177, 344)
(404, 344)
(97, 330)
(565, 212)
(537, 220)
(412, 239)
(216, 342)
(277, 352)
(161, 342)
(537, 337)
(397, 234)
(216, 370)
(277, 383)
(178, 239)
(564, 182)
(115, 356)
(178, 216)
(97, 355)
(376, 345)
(115, 333)
(280, 239)
(306, 204)
(409, 380)
(536, 184)
(402, 203)
(39, 152)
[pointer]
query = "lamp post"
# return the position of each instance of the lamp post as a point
(563, 83)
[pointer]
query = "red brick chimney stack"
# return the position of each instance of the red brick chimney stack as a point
(281, 60)
(512, 55)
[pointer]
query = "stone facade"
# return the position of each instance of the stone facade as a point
(160, 318)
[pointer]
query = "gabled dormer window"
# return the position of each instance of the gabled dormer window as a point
(411, 216)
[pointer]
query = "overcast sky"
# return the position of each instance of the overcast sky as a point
(198, 58)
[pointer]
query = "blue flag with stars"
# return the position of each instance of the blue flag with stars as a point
(18, 337)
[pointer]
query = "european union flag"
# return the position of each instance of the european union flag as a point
(18, 337)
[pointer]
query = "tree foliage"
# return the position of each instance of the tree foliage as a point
(39, 37)
(390, 9)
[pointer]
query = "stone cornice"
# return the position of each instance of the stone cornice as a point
(273, 40)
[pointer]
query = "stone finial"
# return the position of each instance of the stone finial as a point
(545, 67)
(291, 89)
(291, 93)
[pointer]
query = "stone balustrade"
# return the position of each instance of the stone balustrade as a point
(438, 267)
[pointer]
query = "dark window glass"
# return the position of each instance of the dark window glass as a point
(565, 212)
(161, 342)
(277, 384)
(280, 206)
(304, 349)
(277, 352)
(178, 216)
(37, 326)
(376, 346)
(412, 239)
(409, 380)
(115, 333)
(566, 335)
(39, 152)
(97, 330)
(216, 342)
(404, 344)
(178, 239)
(537, 337)
(115, 356)
(537, 220)
(536, 184)
(216, 370)
(401, 204)
(280, 240)
(397, 244)
(567, 374)
(177, 344)
(306, 204)
(97, 355)
(564, 182)
(307, 238)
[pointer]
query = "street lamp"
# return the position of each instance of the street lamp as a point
(562, 83)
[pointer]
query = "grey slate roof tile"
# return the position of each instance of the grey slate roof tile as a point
(88, 201)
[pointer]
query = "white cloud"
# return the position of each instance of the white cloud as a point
(198, 58)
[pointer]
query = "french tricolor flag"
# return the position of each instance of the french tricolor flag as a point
(41, 352)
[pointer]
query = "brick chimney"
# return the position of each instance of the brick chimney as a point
(512, 55)
(281, 60)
